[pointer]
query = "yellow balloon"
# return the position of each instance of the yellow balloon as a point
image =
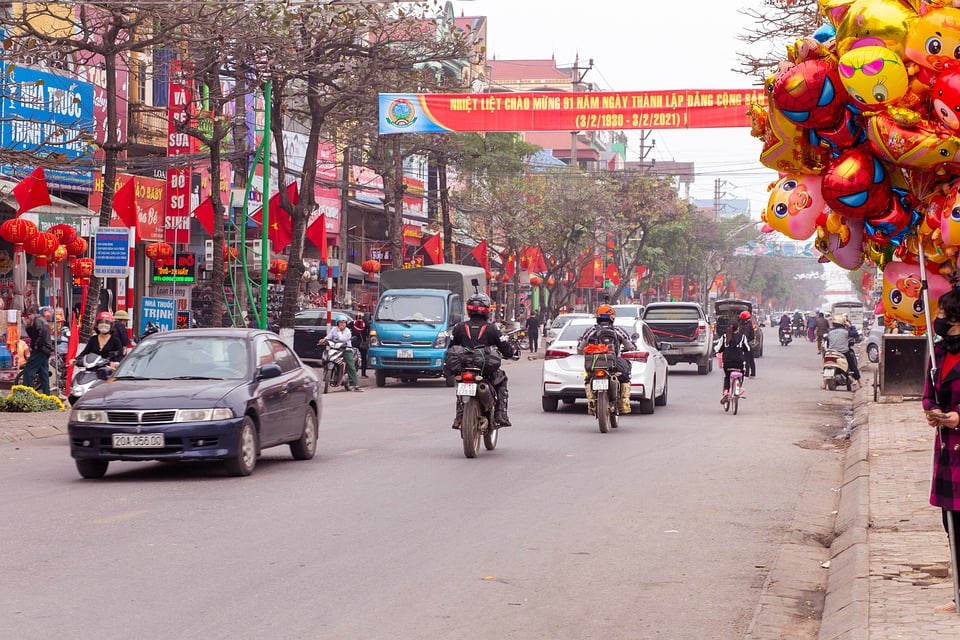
(869, 22)
(873, 76)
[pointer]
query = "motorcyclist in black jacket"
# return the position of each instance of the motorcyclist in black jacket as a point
(478, 332)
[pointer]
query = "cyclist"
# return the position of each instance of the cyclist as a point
(732, 347)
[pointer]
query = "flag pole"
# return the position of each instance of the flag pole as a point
(265, 209)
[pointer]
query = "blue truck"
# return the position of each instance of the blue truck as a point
(414, 319)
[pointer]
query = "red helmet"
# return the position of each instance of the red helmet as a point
(105, 316)
(744, 315)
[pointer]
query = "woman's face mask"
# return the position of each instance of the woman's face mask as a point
(103, 327)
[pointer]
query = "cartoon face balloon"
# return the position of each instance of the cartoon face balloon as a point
(869, 22)
(945, 99)
(810, 94)
(794, 205)
(856, 185)
(902, 298)
(873, 76)
(841, 242)
(946, 208)
(933, 40)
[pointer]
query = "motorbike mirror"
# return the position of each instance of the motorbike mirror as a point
(269, 371)
(104, 373)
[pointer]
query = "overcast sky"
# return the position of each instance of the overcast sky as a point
(645, 45)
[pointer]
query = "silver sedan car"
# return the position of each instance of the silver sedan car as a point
(563, 372)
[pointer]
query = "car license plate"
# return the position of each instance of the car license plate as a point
(404, 353)
(467, 389)
(138, 440)
(601, 384)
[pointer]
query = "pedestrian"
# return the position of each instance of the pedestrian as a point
(812, 327)
(41, 346)
(822, 328)
(533, 332)
(360, 329)
(120, 320)
(941, 404)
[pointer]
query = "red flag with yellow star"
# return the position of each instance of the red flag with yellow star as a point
(281, 225)
(32, 191)
(433, 247)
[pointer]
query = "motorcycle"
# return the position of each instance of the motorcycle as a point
(835, 371)
(89, 371)
(334, 365)
(786, 336)
(604, 380)
(475, 391)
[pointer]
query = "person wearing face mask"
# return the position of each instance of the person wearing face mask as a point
(941, 404)
(103, 343)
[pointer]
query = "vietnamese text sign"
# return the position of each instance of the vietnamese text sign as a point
(181, 270)
(111, 253)
(566, 111)
(46, 114)
(178, 143)
(160, 311)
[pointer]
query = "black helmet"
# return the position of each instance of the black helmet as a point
(479, 305)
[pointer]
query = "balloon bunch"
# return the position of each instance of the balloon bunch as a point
(863, 125)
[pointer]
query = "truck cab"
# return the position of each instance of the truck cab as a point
(410, 332)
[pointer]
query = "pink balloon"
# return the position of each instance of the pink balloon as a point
(946, 208)
(849, 254)
(902, 299)
(794, 205)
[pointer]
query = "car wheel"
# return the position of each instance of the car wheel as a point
(381, 378)
(703, 367)
(305, 447)
(245, 459)
(549, 403)
(661, 400)
(92, 469)
(647, 404)
(873, 353)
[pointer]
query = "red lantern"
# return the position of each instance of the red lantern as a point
(17, 231)
(42, 246)
(64, 233)
(370, 267)
(536, 281)
(551, 281)
(83, 269)
(278, 268)
(159, 252)
(77, 247)
(230, 253)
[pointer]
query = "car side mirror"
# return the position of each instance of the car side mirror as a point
(268, 371)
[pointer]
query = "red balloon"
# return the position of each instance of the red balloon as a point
(856, 185)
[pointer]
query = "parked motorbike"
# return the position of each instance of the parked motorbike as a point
(835, 371)
(334, 365)
(786, 336)
(88, 372)
(604, 380)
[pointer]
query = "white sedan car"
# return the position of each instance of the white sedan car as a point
(563, 372)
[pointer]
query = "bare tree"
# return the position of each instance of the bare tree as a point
(776, 24)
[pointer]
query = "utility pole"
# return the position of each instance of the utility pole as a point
(718, 185)
(577, 80)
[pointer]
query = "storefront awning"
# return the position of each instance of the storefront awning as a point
(57, 206)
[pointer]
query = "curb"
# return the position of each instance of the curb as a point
(847, 600)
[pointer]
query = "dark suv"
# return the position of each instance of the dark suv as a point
(728, 310)
(310, 325)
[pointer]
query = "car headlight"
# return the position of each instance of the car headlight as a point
(88, 416)
(374, 340)
(441, 341)
(203, 415)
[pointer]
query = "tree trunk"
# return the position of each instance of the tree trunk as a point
(445, 208)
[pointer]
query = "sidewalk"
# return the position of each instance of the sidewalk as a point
(890, 559)
(15, 427)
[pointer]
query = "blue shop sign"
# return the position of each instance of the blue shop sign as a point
(162, 312)
(111, 254)
(47, 114)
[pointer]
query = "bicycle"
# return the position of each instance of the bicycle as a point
(736, 391)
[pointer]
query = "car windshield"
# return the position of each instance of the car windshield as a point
(411, 308)
(672, 313)
(627, 310)
(573, 331)
(197, 358)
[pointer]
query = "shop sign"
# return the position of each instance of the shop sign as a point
(160, 311)
(183, 270)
